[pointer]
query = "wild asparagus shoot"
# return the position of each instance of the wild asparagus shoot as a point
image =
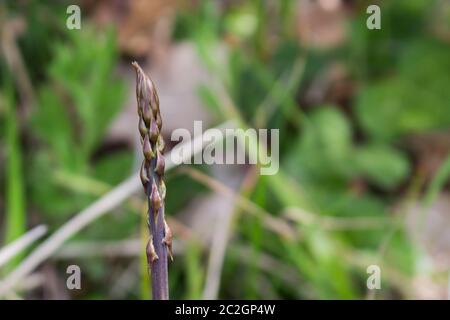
(152, 176)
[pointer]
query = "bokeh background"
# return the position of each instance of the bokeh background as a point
(364, 119)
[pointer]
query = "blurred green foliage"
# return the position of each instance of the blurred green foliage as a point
(338, 160)
(415, 100)
(78, 94)
(402, 72)
(75, 107)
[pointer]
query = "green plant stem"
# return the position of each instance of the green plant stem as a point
(15, 208)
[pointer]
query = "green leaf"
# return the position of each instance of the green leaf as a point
(323, 152)
(414, 101)
(383, 165)
(115, 167)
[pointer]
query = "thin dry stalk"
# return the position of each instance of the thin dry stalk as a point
(275, 224)
(14, 248)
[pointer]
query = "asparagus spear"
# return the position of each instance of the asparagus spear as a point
(152, 173)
